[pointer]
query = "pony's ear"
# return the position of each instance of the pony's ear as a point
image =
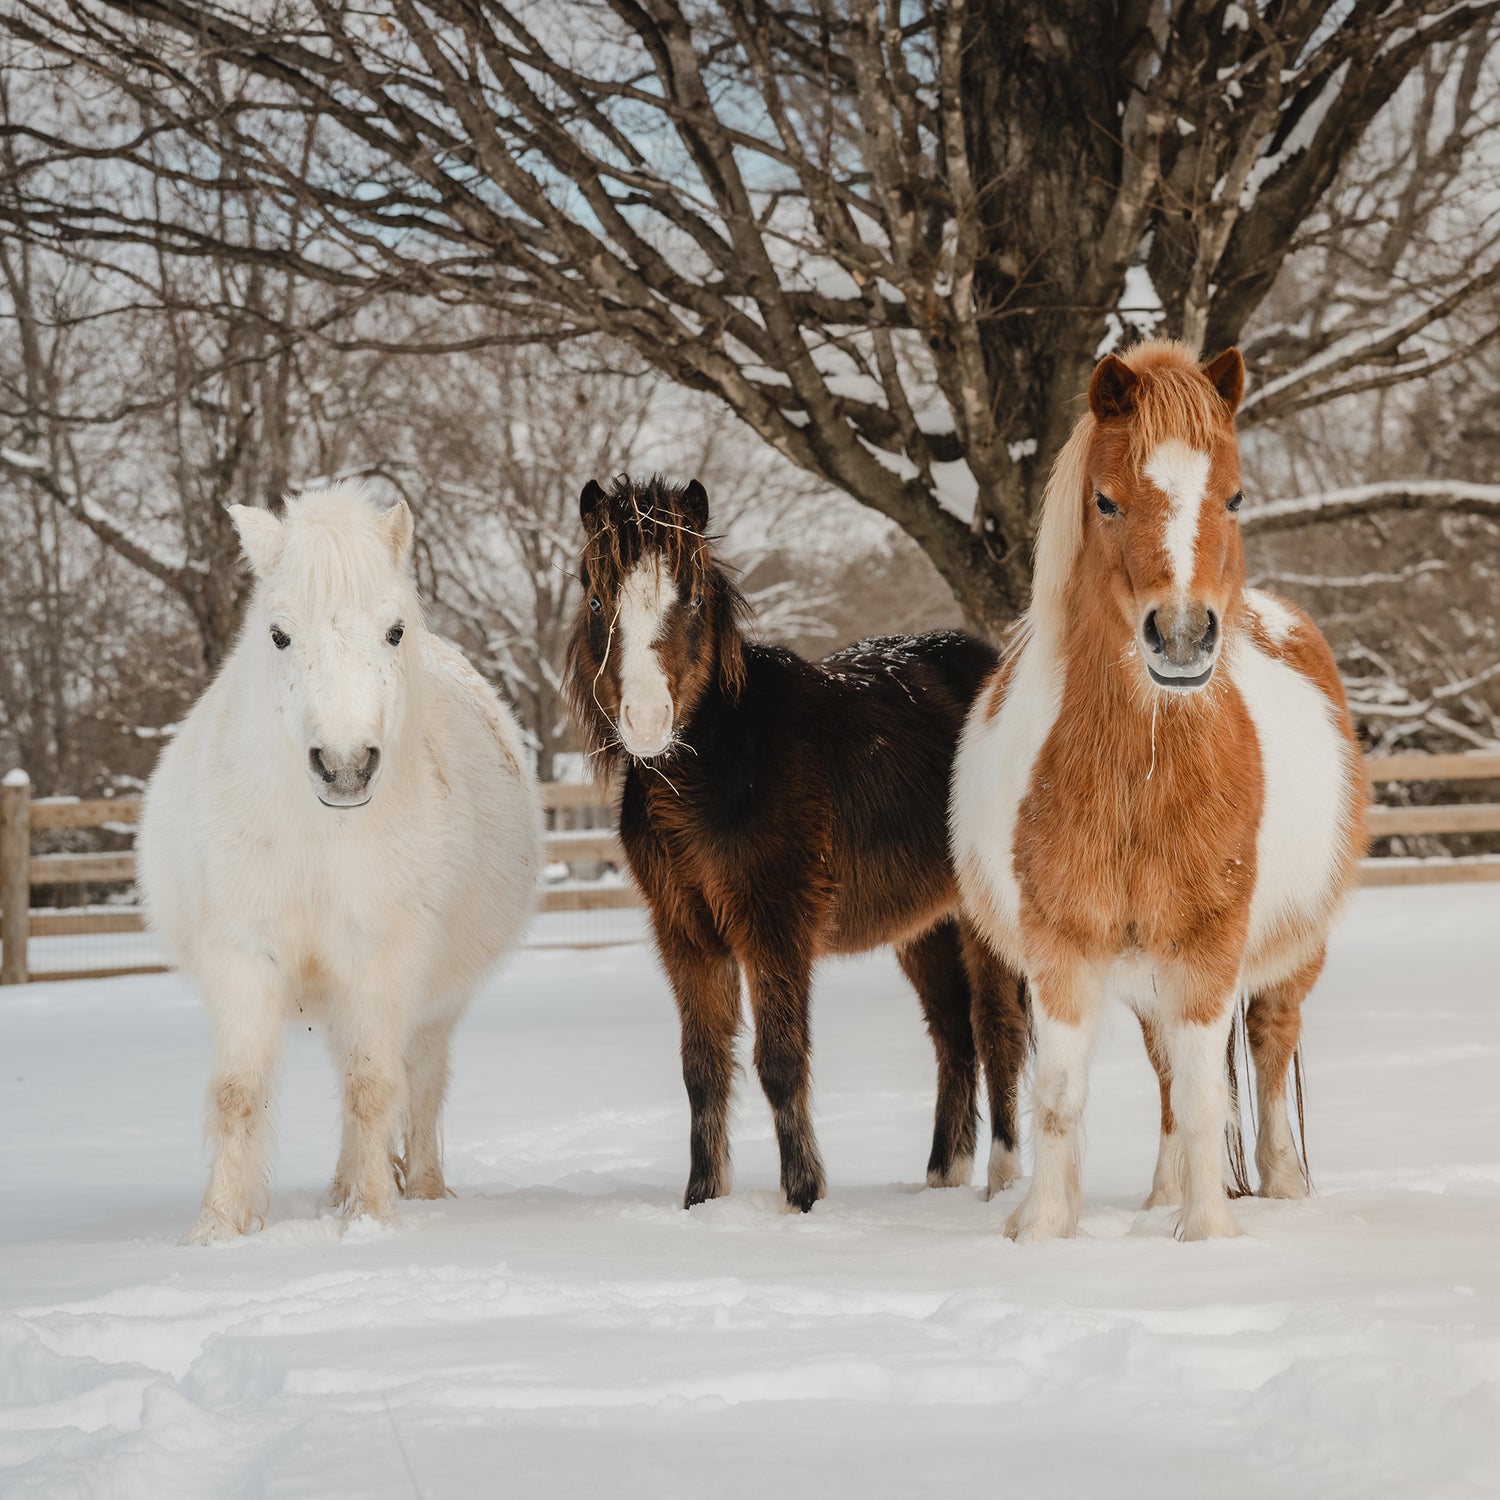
(1226, 375)
(396, 523)
(262, 536)
(590, 502)
(1112, 390)
(695, 503)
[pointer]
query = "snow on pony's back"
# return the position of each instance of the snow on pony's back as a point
(343, 830)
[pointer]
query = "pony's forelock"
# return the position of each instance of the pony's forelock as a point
(337, 549)
(1174, 399)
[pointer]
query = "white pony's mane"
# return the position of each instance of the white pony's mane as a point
(337, 547)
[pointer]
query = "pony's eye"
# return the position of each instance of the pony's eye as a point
(1235, 501)
(595, 605)
(696, 602)
(279, 638)
(1107, 507)
(394, 634)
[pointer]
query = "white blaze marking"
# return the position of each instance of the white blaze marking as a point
(644, 602)
(1181, 474)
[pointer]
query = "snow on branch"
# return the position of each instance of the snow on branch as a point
(100, 522)
(1369, 499)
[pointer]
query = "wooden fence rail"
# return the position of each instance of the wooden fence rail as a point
(20, 869)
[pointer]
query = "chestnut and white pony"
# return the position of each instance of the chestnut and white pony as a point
(343, 830)
(1159, 796)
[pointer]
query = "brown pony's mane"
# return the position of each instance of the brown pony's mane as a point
(639, 516)
(632, 518)
(1172, 398)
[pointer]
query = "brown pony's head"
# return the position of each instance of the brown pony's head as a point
(658, 621)
(1148, 488)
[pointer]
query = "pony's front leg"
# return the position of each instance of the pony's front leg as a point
(1200, 1108)
(1273, 1023)
(781, 1003)
(369, 1036)
(245, 1001)
(1065, 1004)
(427, 1053)
(706, 983)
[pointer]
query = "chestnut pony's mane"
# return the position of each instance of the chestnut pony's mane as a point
(1172, 399)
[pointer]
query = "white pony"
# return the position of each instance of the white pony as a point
(343, 830)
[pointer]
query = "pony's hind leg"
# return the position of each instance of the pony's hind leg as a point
(1002, 1033)
(933, 963)
(427, 1052)
(1065, 1005)
(245, 1000)
(1167, 1181)
(1273, 1023)
(780, 1001)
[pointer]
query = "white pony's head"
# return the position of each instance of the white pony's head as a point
(329, 621)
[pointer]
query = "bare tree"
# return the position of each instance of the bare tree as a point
(891, 238)
(492, 450)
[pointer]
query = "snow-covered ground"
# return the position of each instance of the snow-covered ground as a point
(561, 1328)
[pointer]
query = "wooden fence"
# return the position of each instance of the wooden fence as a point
(20, 869)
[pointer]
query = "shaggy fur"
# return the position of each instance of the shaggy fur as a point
(1169, 843)
(377, 918)
(796, 809)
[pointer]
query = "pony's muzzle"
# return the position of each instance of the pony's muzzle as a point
(646, 727)
(343, 779)
(1180, 645)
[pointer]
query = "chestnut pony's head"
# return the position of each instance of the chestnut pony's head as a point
(658, 620)
(1140, 517)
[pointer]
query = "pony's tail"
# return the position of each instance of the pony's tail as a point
(1302, 1161)
(1234, 1133)
(1234, 1130)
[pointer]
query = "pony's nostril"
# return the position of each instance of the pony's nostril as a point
(372, 760)
(1210, 635)
(318, 765)
(1152, 634)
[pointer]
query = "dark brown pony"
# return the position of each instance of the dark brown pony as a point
(775, 810)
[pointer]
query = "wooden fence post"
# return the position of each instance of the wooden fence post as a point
(15, 875)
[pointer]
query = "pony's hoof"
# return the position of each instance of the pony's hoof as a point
(959, 1173)
(1281, 1182)
(800, 1200)
(1031, 1223)
(212, 1227)
(1004, 1171)
(1215, 1223)
(426, 1186)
